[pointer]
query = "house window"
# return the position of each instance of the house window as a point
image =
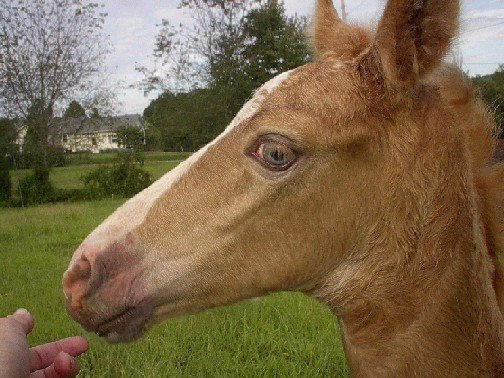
(112, 139)
(93, 141)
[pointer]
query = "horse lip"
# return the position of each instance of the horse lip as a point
(124, 320)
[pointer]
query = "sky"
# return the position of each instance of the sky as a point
(132, 27)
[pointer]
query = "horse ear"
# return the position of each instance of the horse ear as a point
(331, 35)
(414, 35)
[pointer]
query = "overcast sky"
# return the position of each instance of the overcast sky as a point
(131, 25)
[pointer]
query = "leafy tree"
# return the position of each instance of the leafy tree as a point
(95, 113)
(254, 41)
(5, 182)
(36, 143)
(126, 176)
(130, 137)
(36, 188)
(274, 43)
(61, 40)
(75, 110)
(270, 43)
(8, 149)
(184, 55)
(491, 88)
(8, 136)
(50, 50)
(186, 121)
(124, 179)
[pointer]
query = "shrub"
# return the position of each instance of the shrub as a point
(31, 158)
(36, 187)
(5, 182)
(56, 156)
(123, 179)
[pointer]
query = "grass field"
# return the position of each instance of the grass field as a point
(69, 177)
(107, 157)
(283, 335)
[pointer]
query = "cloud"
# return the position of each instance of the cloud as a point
(132, 28)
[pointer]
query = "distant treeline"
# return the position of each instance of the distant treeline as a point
(266, 42)
(491, 89)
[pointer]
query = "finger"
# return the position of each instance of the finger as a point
(24, 319)
(43, 356)
(64, 366)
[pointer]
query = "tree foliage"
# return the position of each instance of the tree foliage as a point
(186, 121)
(491, 88)
(75, 110)
(8, 149)
(49, 50)
(36, 188)
(184, 55)
(124, 178)
(236, 47)
(130, 137)
(36, 142)
(8, 136)
(132, 140)
(273, 43)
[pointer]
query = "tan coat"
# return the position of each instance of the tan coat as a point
(386, 208)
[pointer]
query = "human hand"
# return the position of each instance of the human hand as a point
(52, 360)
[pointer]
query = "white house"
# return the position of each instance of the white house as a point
(93, 134)
(87, 134)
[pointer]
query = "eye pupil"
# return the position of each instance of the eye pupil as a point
(276, 155)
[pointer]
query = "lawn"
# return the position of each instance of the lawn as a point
(107, 157)
(69, 177)
(283, 335)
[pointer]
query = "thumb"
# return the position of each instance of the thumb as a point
(24, 319)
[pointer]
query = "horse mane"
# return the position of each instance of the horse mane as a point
(480, 130)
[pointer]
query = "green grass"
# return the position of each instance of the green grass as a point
(283, 335)
(69, 177)
(108, 157)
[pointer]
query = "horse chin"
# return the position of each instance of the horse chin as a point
(127, 336)
(125, 326)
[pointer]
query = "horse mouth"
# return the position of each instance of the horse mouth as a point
(125, 326)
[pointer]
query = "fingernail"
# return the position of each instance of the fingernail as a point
(22, 311)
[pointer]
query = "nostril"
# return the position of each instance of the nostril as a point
(76, 281)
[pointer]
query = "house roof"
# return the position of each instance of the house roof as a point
(84, 125)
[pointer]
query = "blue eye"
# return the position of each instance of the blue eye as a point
(276, 155)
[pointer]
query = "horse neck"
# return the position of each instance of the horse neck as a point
(418, 297)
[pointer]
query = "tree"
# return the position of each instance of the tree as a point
(50, 50)
(184, 55)
(8, 136)
(75, 110)
(95, 113)
(130, 137)
(255, 40)
(273, 43)
(186, 121)
(126, 176)
(36, 143)
(8, 149)
(491, 88)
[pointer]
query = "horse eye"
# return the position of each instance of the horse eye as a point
(276, 156)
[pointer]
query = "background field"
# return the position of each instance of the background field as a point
(283, 335)
(68, 177)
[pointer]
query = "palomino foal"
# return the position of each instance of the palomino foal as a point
(362, 179)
